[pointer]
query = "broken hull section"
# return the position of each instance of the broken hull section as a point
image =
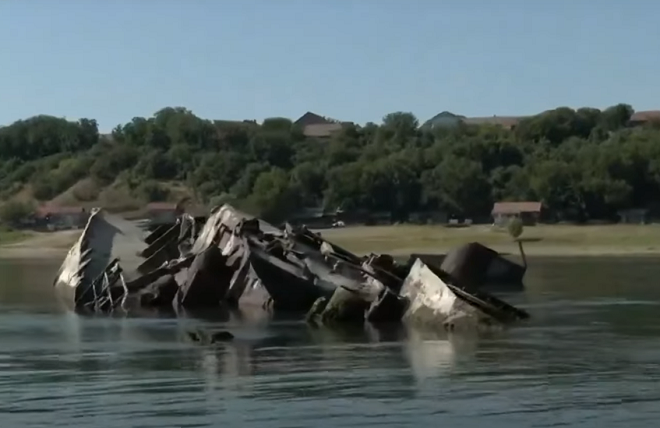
(476, 266)
(242, 263)
(288, 286)
(91, 261)
(433, 301)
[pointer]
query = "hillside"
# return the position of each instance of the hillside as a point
(582, 164)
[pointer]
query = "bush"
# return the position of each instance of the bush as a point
(225, 198)
(118, 199)
(107, 167)
(86, 191)
(515, 227)
(43, 189)
(12, 212)
(152, 191)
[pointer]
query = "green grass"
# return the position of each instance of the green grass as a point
(9, 236)
(545, 239)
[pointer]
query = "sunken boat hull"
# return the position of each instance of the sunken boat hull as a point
(241, 263)
(434, 301)
(476, 265)
(91, 266)
(290, 286)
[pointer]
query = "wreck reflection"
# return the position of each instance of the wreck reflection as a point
(431, 354)
(303, 363)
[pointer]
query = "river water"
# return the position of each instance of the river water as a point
(589, 357)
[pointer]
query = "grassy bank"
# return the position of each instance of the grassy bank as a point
(28, 245)
(559, 240)
(556, 240)
(8, 236)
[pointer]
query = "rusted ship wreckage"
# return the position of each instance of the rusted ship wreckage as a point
(234, 260)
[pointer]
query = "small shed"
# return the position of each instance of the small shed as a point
(528, 212)
(633, 216)
(56, 217)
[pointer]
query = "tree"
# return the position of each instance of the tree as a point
(13, 212)
(581, 163)
(515, 229)
(272, 197)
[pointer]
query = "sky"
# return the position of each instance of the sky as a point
(353, 60)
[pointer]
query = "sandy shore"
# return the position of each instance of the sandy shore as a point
(542, 240)
(41, 245)
(626, 240)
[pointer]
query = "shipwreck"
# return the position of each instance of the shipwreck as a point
(235, 261)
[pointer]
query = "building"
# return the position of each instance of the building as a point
(448, 119)
(162, 212)
(310, 118)
(643, 117)
(444, 119)
(528, 212)
(633, 216)
(316, 126)
(58, 218)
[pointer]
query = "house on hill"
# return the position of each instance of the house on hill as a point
(528, 212)
(310, 118)
(449, 119)
(58, 218)
(316, 126)
(643, 117)
(444, 119)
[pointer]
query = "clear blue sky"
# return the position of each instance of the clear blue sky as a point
(349, 59)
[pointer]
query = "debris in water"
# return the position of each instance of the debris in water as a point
(235, 260)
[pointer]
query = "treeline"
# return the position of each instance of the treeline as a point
(582, 164)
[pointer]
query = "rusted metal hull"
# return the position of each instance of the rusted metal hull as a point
(240, 262)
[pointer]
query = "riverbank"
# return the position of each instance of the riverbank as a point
(12, 236)
(39, 244)
(542, 240)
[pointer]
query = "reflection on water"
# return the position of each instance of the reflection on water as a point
(589, 357)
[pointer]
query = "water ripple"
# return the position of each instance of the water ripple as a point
(590, 357)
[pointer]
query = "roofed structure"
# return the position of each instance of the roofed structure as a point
(528, 212)
(317, 126)
(310, 118)
(642, 117)
(516, 207)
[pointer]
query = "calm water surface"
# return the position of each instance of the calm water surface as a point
(589, 358)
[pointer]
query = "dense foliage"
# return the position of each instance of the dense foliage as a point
(582, 164)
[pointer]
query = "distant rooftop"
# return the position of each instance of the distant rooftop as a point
(516, 207)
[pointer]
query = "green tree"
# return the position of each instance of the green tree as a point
(581, 163)
(12, 212)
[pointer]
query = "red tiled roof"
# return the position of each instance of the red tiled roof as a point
(516, 207)
(645, 116)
